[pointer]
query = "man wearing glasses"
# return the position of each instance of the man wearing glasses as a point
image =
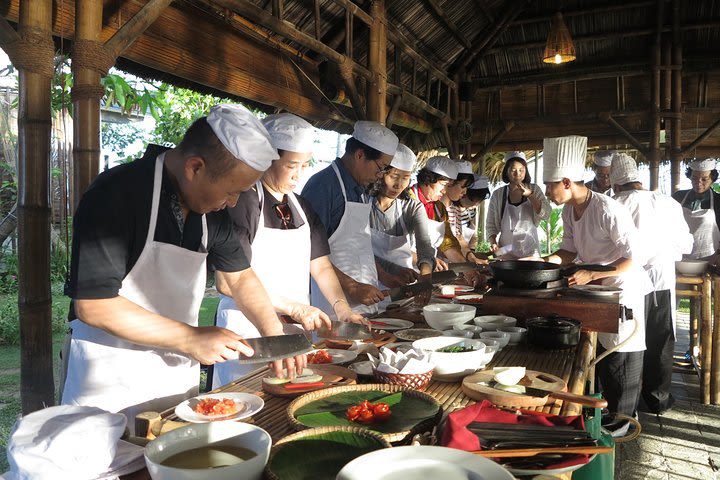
(601, 167)
(336, 195)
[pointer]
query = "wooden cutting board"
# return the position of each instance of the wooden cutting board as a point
(330, 373)
(379, 339)
(532, 379)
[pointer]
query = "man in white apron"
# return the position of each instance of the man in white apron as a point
(285, 242)
(597, 229)
(700, 207)
(142, 234)
(665, 237)
(336, 194)
(601, 167)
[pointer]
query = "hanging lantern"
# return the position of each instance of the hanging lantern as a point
(559, 47)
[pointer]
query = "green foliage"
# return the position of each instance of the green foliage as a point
(10, 317)
(118, 136)
(553, 230)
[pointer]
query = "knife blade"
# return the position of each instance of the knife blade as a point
(438, 277)
(345, 331)
(542, 393)
(407, 291)
(276, 347)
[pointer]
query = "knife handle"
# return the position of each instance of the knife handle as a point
(581, 399)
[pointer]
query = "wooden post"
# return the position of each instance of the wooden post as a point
(676, 144)
(715, 364)
(86, 106)
(654, 146)
(37, 388)
(377, 93)
(706, 339)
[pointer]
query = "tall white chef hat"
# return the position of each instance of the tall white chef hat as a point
(703, 165)
(375, 135)
(603, 158)
(443, 166)
(564, 157)
(464, 166)
(243, 135)
(510, 155)
(481, 181)
(65, 441)
(290, 132)
(623, 169)
(404, 158)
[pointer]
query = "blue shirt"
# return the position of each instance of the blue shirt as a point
(324, 194)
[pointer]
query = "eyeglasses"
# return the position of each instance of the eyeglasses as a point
(282, 210)
(381, 168)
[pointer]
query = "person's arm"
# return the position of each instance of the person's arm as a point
(356, 291)
(417, 222)
(561, 257)
(492, 223)
(127, 320)
(323, 273)
(541, 205)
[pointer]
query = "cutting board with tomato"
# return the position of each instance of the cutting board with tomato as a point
(332, 376)
(379, 339)
(472, 388)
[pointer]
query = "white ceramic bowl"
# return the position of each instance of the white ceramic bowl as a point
(493, 322)
(517, 334)
(503, 338)
(451, 367)
(492, 345)
(238, 434)
(691, 267)
(469, 328)
(444, 316)
(458, 333)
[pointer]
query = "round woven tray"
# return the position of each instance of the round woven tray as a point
(312, 432)
(423, 426)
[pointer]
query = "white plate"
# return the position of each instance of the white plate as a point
(458, 288)
(548, 471)
(412, 334)
(338, 356)
(391, 324)
(401, 463)
(600, 290)
(248, 405)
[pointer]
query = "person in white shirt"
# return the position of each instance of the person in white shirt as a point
(601, 167)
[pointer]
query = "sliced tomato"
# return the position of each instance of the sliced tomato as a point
(381, 411)
(353, 413)
(366, 416)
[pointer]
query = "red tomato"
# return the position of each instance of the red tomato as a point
(366, 416)
(353, 413)
(381, 411)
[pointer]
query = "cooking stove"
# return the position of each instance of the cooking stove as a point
(546, 290)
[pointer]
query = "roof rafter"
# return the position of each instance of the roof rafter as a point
(440, 13)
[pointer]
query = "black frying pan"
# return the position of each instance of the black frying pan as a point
(529, 274)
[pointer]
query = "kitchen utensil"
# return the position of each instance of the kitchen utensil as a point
(472, 387)
(247, 404)
(276, 347)
(378, 339)
(390, 324)
(452, 366)
(444, 316)
(332, 375)
(345, 331)
(407, 291)
(530, 274)
(542, 393)
(437, 278)
(338, 356)
(525, 452)
(553, 332)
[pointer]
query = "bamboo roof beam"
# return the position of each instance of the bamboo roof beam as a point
(449, 24)
(507, 126)
(610, 7)
(701, 138)
(377, 59)
(480, 5)
(607, 118)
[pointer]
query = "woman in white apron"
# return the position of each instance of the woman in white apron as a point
(282, 256)
(699, 204)
(515, 211)
(465, 225)
(433, 180)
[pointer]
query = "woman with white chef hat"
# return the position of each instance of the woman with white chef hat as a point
(395, 219)
(285, 243)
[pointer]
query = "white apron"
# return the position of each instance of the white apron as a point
(436, 230)
(703, 227)
(110, 373)
(518, 231)
(281, 260)
(350, 251)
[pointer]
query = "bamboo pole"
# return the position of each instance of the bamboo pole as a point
(715, 364)
(37, 388)
(86, 109)
(124, 37)
(676, 144)
(377, 55)
(706, 338)
(507, 126)
(607, 118)
(654, 145)
(701, 138)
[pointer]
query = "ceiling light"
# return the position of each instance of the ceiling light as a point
(559, 47)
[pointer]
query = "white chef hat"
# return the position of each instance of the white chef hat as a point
(481, 181)
(623, 169)
(375, 135)
(65, 441)
(404, 158)
(703, 165)
(290, 132)
(443, 166)
(243, 135)
(510, 155)
(603, 158)
(564, 157)
(464, 166)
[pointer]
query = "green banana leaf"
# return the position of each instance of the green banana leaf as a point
(321, 456)
(407, 411)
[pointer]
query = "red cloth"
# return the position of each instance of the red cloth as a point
(456, 435)
(429, 206)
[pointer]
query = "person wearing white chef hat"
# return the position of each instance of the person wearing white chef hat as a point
(337, 194)
(397, 222)
(701, 207)
(601, 167)
(599, 230)
(666, 237)
(142, 235)
(515, 211)
(285, 242)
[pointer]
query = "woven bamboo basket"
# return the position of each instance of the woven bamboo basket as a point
(413, 381)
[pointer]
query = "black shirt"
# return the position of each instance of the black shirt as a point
(110, 227)
(246, 216)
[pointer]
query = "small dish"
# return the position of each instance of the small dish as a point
(493, 322)
(469, 328)
(517, 334)
(469, 298)
(338, 356)
(390, 324)
(458, 333)
(247, 404)
(503, 338)
(412, 334)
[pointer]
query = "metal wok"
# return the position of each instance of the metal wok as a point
(530, 274)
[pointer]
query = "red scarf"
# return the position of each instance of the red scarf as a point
(429, 206)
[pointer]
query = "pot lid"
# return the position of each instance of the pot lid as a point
(562, 324)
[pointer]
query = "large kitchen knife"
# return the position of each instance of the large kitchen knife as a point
(276, 347)
(438, 277)
(407, 291)
(542, 393)
(345, 331)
